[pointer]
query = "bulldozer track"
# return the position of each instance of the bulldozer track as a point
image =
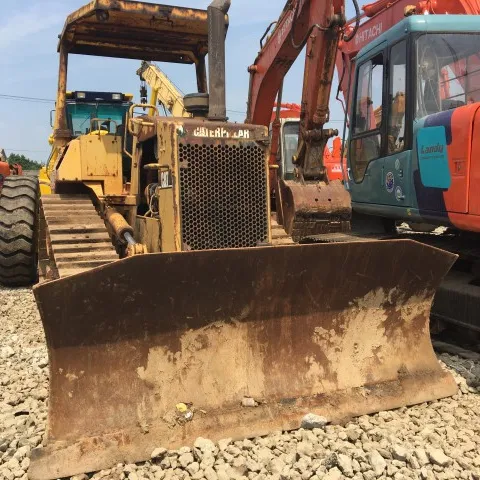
(76, 236)
(457, 301)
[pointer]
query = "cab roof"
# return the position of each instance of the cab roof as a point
(425, 24)
(137, 30)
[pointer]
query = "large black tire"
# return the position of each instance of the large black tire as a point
(18, 231)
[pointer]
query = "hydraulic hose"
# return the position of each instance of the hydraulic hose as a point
(347, 38)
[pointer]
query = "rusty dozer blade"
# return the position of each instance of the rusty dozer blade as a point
(313, 208)
(335, 329)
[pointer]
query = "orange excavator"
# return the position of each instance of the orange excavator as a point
(384, 176)
(437, 94)
(311, 203)
(7, 169)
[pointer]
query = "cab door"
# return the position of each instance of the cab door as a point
(398, 157)
(366, 176)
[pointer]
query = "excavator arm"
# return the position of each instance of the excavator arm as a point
(310, 204)
(319, 25)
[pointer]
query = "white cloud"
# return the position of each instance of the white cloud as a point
(31, 21)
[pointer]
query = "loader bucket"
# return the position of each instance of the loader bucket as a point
(335, 329)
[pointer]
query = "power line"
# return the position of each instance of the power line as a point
(47, 100)
(26, 99)
(8, 149)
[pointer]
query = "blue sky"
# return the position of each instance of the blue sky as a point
(29, 64)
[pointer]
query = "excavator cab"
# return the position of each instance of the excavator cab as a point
(417, 160)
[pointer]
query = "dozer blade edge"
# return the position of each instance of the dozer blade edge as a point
(339, 330)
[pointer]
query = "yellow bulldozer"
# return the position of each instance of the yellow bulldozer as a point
(168, 295)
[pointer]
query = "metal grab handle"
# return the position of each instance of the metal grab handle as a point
(128, 121)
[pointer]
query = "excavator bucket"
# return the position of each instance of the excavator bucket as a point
(334, 329)
(313, 208)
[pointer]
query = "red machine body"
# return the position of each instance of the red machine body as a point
(7, 169)
(461, 202)
(382, 15)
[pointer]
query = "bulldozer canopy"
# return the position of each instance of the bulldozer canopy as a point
(137, 30)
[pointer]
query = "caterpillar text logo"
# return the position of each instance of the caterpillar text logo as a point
(220, 132)
(368, 34)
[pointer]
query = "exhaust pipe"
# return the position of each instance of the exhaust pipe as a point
(217, 31)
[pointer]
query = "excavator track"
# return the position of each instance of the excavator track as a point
(76, 236)
(457, 300)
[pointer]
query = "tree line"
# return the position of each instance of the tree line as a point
(26, 163)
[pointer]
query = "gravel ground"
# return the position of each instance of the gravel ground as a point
(439, 440)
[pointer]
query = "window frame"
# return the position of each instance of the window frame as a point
(376, 131)
(410, 98)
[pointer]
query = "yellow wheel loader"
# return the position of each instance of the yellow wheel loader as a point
(164, 282)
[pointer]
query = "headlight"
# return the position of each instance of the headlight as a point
(116, 96)
(81, 95)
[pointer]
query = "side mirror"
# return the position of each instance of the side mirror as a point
(51, 117)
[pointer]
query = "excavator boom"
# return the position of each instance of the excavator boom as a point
(311, 204)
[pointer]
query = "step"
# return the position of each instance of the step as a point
(82, 264)
(81, 219)
(82, 247)
(79, 207)
(81, 256)
(66, 238)
(54, 198)
(77, 229)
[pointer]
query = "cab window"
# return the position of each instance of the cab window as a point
(111, 117)
(367, 119)
(290, 139)
(396, 98)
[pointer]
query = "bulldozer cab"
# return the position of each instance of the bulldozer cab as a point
(97, 112)
(105, 28)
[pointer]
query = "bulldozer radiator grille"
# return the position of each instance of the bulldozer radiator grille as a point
(223, 196)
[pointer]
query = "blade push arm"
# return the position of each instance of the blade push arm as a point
(318, 24)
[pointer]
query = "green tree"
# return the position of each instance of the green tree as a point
(26, 163)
